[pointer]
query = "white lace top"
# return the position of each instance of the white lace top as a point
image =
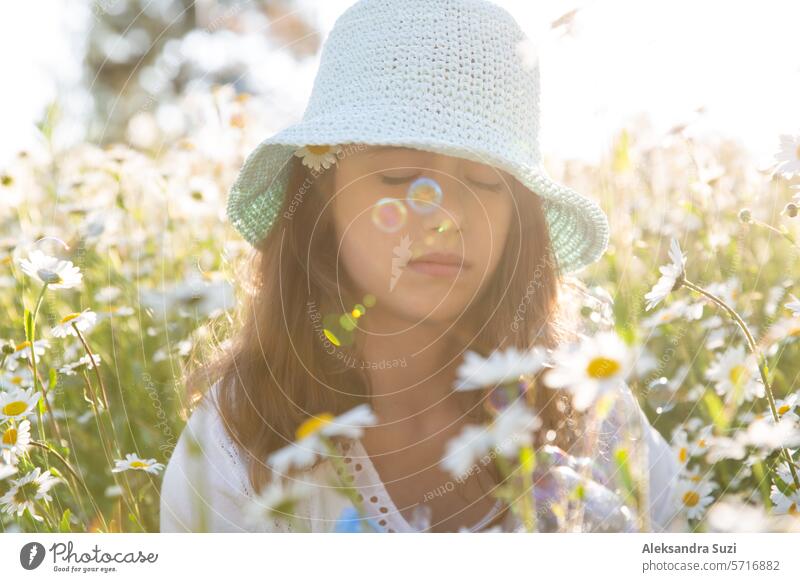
(206, 487)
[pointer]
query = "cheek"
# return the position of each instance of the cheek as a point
(489, 231)
(365, 252)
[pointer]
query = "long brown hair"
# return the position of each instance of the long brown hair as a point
(275, 372)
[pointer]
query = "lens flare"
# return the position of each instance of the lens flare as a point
(424, 195)
(389, 214)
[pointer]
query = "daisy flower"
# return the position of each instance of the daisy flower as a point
(313, 437)
(17, 378)
(73, 367)
(694, 497)
(685, 449)
(733, 515)
(785, 503)
(671, 276)
(6, 470)
(680, 444)
(25, 491)
(766, 434)
(17, 404)
(786, 406)
(107, 294)
(22, 351)
(133, 462)
(195, 296)
(15, 440)
(56, 273)
(783, 469)
(589, 368)
(317, 157)
(788, 158)
(794, 306)
(733, 370)
(513, 429)
(463, 451)
(501, 367)
(84, 321)
(509, 431)
(727, 447)
(278, 500)
(680, 309)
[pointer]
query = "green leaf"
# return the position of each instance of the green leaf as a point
(716, 411)
(622, 461)
(28, 320)
(63, 527)
(759, 473)
(53, 378)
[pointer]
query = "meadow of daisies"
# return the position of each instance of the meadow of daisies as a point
(115, 277)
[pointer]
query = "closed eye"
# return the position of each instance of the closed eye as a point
(486, 186)
(396, 180)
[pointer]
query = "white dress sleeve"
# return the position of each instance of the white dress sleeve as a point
(205, 486)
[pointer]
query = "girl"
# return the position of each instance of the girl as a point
(405, 220)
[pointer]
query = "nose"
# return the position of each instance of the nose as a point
(446, 217)
(444, 222)
(449, 208)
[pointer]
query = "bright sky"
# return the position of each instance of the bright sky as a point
(740, 60)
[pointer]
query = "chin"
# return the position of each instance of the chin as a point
(429, 309)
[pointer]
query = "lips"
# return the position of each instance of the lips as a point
(439, 264)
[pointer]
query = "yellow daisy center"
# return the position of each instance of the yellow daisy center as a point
(139, 465)
(736, 374)
(683, 454)
(602, 368)
(691, 498)
(313, 425)
(10, 436)
(318, 150)
(70, 317)
(15, 408)
(701, 443)
(784, 409)
(23, 345)
(793, 509)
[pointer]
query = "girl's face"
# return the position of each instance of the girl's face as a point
(422, 232)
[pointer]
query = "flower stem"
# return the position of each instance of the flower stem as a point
(74, 474)
(785, 235)
(31, 337)
(751, 343)
(94, 365)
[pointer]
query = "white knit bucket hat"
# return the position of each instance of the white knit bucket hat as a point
(445, 76)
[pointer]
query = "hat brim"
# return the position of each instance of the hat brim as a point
(578, 227)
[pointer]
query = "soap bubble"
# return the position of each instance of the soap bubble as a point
(389, 214)
(424, 195)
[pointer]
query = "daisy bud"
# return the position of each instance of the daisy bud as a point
(745, 216)
(790, 210)
(8, 349)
